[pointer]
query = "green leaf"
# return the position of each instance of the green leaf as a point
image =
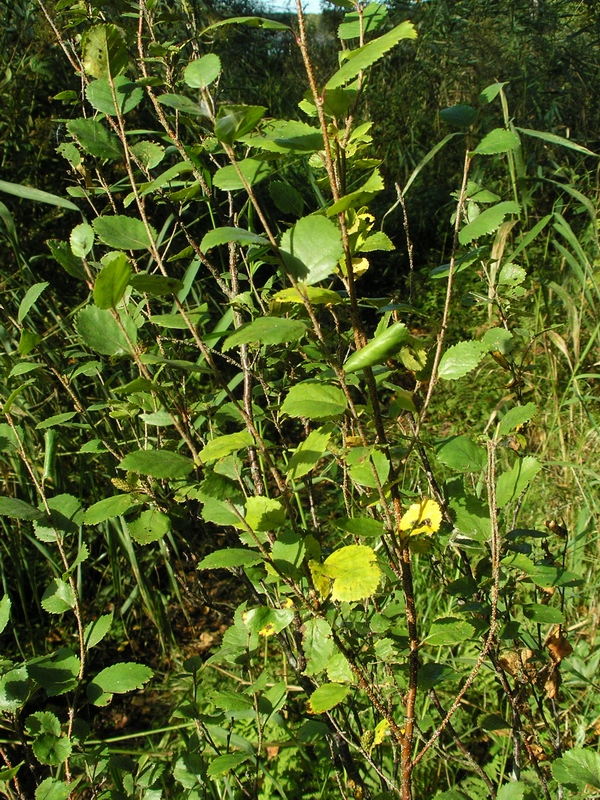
(18, 509)
(461, 115)
(57, 673)
(224, 445)
(559, 140)
(378, 349)
(582, 766)
(127, 93)
(354, 572)
(360, 197)
(499, 140)
(148, 153)
(264, 513)
(315, 295)
(234, 121)
(108, 508)
(158, 464)
(101, 333)
(307, 263)
(361, 526)
(14, 689)
(189, 770)
(5, 605)
(230, 559)
(104, 51)
(373, 17)
(182, 104)
(370, 53)
(266, 330)
(317, 643)
(199, 74)
(112, 281)
(121, 678)
(53, 789)
(510, 484)
(498, 340)
(288, 553)
(487, 222)
(58, 597)
(95, 631)
(543, 615)
(62, 253)
(227, 235)
(471, 515)
(362, 461)
(460, 359)
(377, 241)
(150, 526)
(28, 341)
(81, 239)
(286, 136)
(124, 233)
(320, 401)
(326, 697)
(309, 452)
(38, 196)
(94, 138)
(30, 298)
(287, 199)
(155, 285)
(515, 417)
(250, 22)
(449, 630)
(461, 453)
(253, 171)
(490, 93)
(515, 790)
(57, 419)
(221, 765)
(66, 515)
(49, 746)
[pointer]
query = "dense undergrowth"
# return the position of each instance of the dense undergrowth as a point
(295, 504)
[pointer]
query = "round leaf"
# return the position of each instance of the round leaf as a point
(306, 260)
(124, 233)
(201, 73)
(327, 697)
(150, 526)
(158, 464)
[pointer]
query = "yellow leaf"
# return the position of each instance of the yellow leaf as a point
(424, 517)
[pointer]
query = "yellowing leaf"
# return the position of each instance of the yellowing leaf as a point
(423, 517)
(320, 578)
(354, 572)
(380, 732)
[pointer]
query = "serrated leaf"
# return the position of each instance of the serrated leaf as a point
(61, 252)
(487, 222)
(499, 140)
(373, 185)
(124, 233)
(150, 526)
(227, 235)
(48, 745)
(183, 104)
(326, 697)
(101, 333)
(309, 452)
(511, 483)
(66, 515)
(128, 95)
(361, 526)
(104, 51)
(515, 790)
(354, 572)
(461, 115)
(58, 597)
(268, 621)
(31, 296)
(53, 789)
(287, 199)
(148, 153)
(230, 558)
(224, 445)
(308, 263)
(543, 615)
(107, 509)
(373, 16)
(460, 359)
(18, 509)
(377, 241)
(364, 463)
(370, 53)
(155, 285)
(158, 464)
(203, 71)
(123, 677)
(264, 513)
(112, 281)
(14, 689)
(252, 171)
(581, 765)
(95, 631)
(461, 453)
(498, 340)
(321, 401)
(266, 330)
(94, 138)
(449, 630)
(515, 417)
(57, 673)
